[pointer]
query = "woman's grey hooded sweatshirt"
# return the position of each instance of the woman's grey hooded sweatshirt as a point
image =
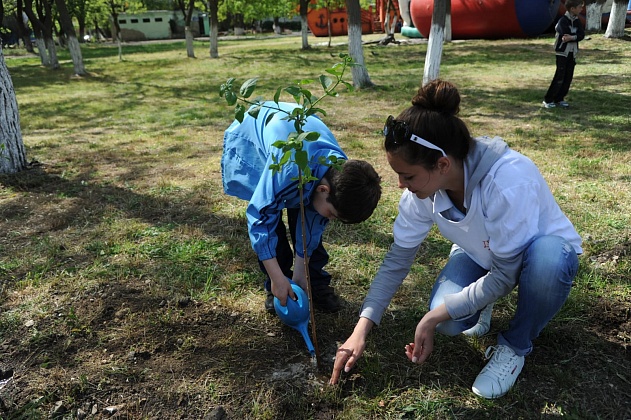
(508, 205)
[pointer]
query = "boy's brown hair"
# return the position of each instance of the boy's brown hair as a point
(573, 3)
(355, 190)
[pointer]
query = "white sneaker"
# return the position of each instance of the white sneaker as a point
(562, 104)
(549, 104)
(500, 374)
(484, 323)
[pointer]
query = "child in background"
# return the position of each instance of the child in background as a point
(569, 31)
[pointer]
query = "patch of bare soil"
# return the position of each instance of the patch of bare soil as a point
(146, 355)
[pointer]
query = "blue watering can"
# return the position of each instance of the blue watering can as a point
(296, 314)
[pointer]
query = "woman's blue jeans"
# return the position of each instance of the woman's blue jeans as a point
(548, 269)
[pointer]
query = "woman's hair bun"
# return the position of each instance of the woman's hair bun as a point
(439, 96)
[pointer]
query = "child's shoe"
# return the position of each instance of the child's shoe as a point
(549, 104)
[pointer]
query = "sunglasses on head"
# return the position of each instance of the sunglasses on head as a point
(399, 132)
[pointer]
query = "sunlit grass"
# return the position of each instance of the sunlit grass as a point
(128, 206)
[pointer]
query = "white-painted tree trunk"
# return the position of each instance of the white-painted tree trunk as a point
(41, 50)
(361, 79)
(435, 42)
(119, 42)
(448, 23)
(188, 33)
(52, 53)
(77, 57)
(617, 17)
(593, 19)
(304, 32)
(304, 24)
(214, 29)
(12, 152)
(65, 20)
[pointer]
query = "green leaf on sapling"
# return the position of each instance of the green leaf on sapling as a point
(326, 82)
(254, 111)
(247, 88)
(239, 112)
(269, 117)
(302, 159)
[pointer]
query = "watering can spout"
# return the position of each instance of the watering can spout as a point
(296, 314)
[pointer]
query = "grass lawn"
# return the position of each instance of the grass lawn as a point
(128, 287)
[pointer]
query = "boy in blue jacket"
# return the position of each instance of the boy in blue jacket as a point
(350, 194)
(569, 31)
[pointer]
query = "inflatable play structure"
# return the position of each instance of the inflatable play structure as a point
(489, 19)
(319, 20)
(470, 19)
(493, 19)
(373, 19)
(407, 28)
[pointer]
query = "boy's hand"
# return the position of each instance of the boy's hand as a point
(567, 38)
(281, 288)
(301, 282)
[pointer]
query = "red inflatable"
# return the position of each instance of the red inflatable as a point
(489, 19)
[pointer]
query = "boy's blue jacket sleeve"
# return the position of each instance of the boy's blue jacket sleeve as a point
(247, 156)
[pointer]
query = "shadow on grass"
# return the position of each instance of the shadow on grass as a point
(579, 368)
(84, 206)
(162, 351)
(580, 118)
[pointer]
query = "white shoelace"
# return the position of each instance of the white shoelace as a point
(502, 361)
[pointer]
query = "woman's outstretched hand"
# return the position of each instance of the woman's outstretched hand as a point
(349, 352)
(423, 344)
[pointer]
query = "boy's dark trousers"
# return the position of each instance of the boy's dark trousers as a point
(562, 79)
(320, 278)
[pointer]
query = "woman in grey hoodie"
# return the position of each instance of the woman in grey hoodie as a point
(507, 231)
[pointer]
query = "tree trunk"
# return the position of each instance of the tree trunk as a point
(81, 30)
(12, 152)
(390, 27)
(213, 6)
(448, 22)
(43, 28)
(188, 33)
(617, 18)
(117, 29)
(593, 18)
(361, 79)
(304, 27)
(77, 58)
(435, 42)
(22, 22)
(41, 50)
(73, 43)
(52, 53)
